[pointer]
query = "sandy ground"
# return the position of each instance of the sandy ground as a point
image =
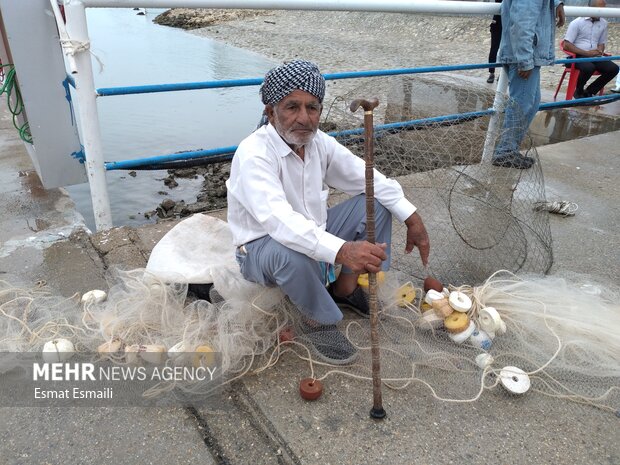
(350, 41)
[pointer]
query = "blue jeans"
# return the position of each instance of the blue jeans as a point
(521, 108)
(269, 263)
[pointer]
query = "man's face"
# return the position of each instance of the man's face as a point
(598, 4)
(296, 117)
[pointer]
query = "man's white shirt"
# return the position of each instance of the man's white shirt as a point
(272, 191)
(586, 34)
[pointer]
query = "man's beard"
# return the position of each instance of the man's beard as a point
(294, 139)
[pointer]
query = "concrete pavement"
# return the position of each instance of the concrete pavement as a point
(262, 419)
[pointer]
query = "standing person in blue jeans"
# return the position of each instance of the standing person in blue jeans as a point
(528, 42)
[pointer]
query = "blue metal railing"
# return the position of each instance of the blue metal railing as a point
(129, 90)
(225, 153)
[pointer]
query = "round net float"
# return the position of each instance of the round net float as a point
(205, 354)
(58, 350)
(433, 295)
(109, 347)
(425, 307)
(153, 353)
(459, 301)
(484, 360)
(489, 319)
(96, 296)
(286, 335)
(176, 350)
(515, 380)
(405, 295)
(461, 337)
(442, 307)
(362, 280)
(430, 320)
(310, 389)
(432, 283)
(480, 339)
(132, 351)
(458, 322)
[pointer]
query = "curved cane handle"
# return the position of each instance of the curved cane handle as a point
(367, 105)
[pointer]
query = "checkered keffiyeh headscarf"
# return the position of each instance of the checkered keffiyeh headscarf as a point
(284, 79)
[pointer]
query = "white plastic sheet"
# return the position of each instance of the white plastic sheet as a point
(192, 250)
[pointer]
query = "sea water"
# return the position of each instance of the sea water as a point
(129, 49)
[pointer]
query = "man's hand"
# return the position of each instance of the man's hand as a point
(560, 16)
(362, 256)
(418, 237)
(594, 53)
(524, 74)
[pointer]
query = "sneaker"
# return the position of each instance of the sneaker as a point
(357, 301)
(513, 160)
(491, 78)
(615, 90)
(328, 344)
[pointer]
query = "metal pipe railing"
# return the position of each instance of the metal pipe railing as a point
(373, 6)
(227, 83)
(226, 153)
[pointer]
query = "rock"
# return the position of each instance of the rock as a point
(194, 18)
(170, 182)
(168, 204)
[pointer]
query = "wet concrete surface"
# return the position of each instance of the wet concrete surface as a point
(262, 419)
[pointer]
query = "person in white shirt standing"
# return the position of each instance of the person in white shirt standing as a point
(284, 232)
(586, 37)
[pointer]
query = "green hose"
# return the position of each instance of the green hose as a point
(10, 88)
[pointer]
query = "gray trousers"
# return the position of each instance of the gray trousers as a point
(269, 263)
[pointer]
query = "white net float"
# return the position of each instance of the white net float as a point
(94, 296)
(459, 301)
(489, 319)
(484, 360)
(515, 380)
(58, 350)
(461, 337)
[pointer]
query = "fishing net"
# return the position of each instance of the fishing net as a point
(558, 334)
(562, 350)
(431, 134)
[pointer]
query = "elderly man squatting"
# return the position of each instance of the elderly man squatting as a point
(284, 232)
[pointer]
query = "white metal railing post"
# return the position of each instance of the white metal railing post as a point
(499, 104)
(77, 31)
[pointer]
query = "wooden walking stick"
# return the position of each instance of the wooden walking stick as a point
(368, 106)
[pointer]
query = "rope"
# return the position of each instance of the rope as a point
(11, 89)
(560, 207)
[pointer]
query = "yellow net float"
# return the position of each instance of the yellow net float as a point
(362, 280)
(204, 355)
(425, 307)
(456, 322)
(405, 295)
